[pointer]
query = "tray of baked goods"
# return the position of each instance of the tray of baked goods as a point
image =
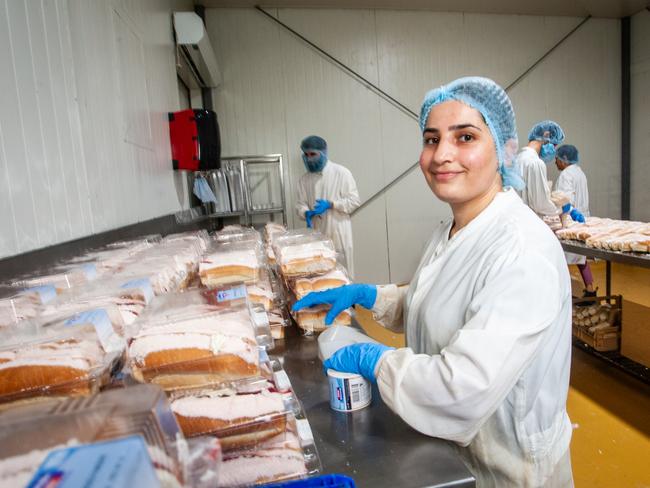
(610, 234)
(597, 321)
(129, 435)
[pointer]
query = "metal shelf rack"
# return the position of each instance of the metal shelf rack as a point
(642, 260)
(259, 177)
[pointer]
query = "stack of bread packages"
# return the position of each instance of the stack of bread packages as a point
(207, 350)
(121, 437)
(237, 255)
(610, 234)
(307, 262)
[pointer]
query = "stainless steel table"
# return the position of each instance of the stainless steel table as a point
(372, 445)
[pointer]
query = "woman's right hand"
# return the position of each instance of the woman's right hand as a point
(339, 298)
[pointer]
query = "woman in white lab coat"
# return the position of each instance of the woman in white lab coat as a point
(487, 315)
(573, 183)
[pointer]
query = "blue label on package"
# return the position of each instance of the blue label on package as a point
(100, 319)
(90, 270)
(143, 284)
(121, 462)
(45, 292)
(234, 293)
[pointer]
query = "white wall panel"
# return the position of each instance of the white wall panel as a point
(370, 236)
(640, 116)
(579, 87)
(407, 53)
(14, 144)
(413, 213)
(84, 98)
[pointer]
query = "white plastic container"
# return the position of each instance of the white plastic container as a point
(337, 337)
(348, 392)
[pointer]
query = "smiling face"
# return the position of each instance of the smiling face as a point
(459, 159)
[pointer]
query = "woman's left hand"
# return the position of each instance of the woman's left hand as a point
(358, 359)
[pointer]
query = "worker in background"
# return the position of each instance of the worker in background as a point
(327, 196)
(573, 183)
(543, 138)
(487, 315)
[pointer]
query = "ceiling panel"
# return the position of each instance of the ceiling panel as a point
(573, 8)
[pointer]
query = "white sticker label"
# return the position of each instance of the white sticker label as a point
(264, 357)
(304, 430)
(235, 293)
(46, 292)
(143, 284)
(99, 318)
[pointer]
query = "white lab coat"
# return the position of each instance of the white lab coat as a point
(537, 193)
(336, 184)
(488, 332)
(573, 182)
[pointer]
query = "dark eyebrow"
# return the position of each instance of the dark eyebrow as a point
(463, 126)
(451, 128)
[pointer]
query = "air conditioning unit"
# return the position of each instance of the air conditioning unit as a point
(194, 45)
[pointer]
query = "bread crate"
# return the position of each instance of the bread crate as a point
(597, 321)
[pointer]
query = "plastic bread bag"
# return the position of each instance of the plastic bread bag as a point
(191, 345)
(300, 254)
(232, 262)
(29, 434)
(58, 360)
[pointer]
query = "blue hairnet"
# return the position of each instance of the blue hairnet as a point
(492, 102)
(547, 131)
(314, 143)
(568, 154)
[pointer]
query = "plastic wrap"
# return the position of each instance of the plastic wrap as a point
(61, 360)
(179, 344)
(240, 417)
(130, 295)
(27, 435)
(101, 311)
(237, 233)
(290, 455)
(61, 277)
(304, 254)
(18, 306)
(303, 286)
(231, 262)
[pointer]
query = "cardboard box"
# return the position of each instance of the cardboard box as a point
(635, 337)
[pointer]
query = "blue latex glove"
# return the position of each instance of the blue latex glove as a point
(322, 206)
(339, 298)
(577, 216)
(358, 358)
(566, 208)
(308, 215)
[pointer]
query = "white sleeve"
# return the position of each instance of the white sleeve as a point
(388, 308)
(451, 394)
(538, 191)
(349, 200)
(566, 185)
(301, 200)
